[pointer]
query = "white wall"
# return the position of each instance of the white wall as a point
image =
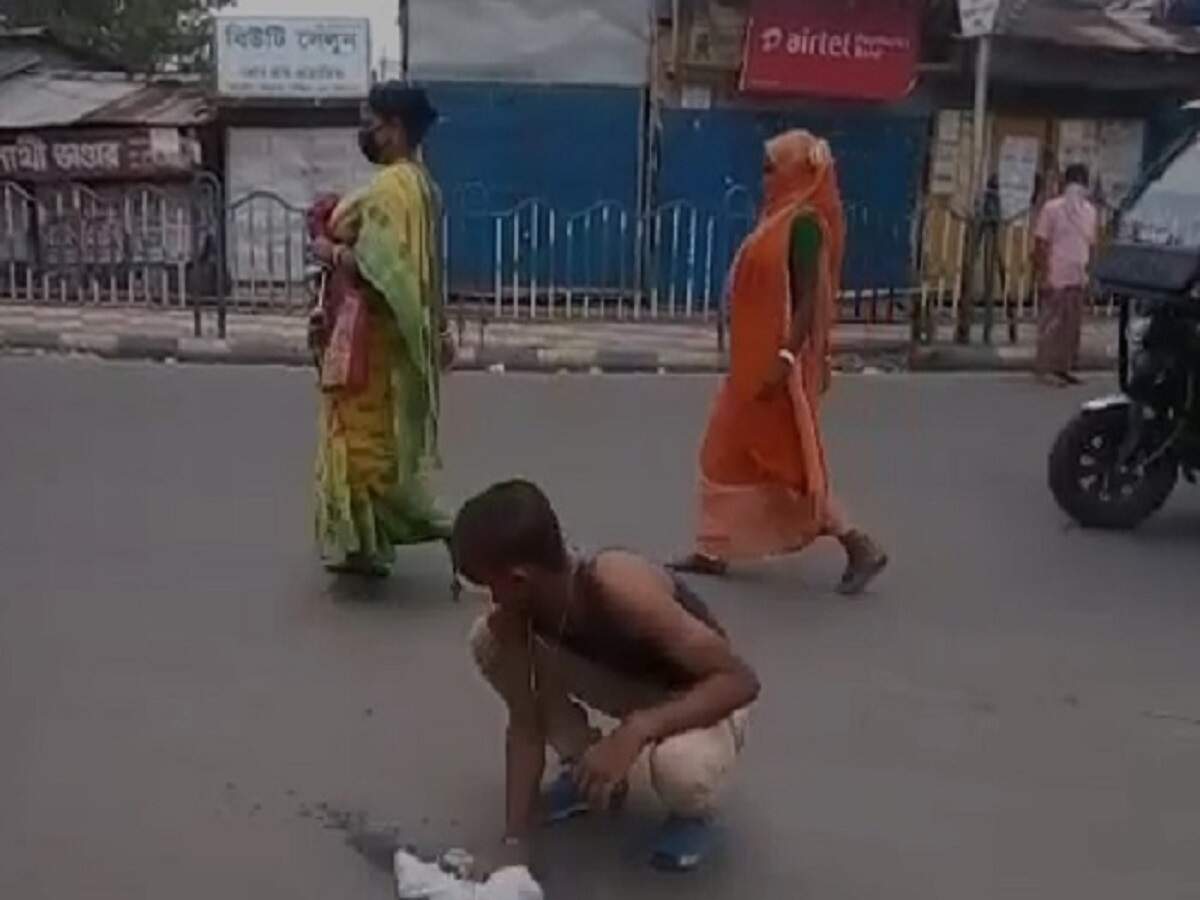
(296, 163)
(266, 238)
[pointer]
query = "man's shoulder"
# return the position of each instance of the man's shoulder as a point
(1050, 213)
(616, 565)
(1054, 205)
(625, 577)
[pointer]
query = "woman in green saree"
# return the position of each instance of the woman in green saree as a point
(381, 357)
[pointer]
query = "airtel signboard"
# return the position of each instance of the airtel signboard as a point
(841, 49)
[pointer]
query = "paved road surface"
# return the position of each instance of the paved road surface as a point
(190, 708)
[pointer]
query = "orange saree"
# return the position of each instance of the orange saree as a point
(764, 485)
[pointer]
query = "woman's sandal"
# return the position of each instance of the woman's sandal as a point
(699, 564)
(867, 562)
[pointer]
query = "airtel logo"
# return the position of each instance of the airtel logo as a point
(808, 43)
(830, 44)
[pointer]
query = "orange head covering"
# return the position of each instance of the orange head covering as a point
(800, 172)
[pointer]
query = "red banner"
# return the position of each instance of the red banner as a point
(846, 49)
(86, 154)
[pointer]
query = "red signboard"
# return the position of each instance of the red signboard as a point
(846, 49)
(86, 154)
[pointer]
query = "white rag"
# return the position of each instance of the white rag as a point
(418, 880)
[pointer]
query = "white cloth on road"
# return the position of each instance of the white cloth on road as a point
(418, 880)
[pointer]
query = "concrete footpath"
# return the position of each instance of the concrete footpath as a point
(528, 346)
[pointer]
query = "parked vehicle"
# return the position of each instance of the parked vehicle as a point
(1118, 460)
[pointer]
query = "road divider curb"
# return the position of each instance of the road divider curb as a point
(967, 358)
(849, 356)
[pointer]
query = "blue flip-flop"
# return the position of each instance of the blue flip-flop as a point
(682, 844)
(562, 799)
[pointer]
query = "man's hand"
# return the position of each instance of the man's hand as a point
(1041, 262)
(606, 764)
(507, 854)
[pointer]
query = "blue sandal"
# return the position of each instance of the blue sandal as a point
(682, 844)
(563, 800)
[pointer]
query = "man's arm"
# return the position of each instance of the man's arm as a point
(643, 597)
(525, 762)
(723, 682)
(1041, 245)
(525, 743)
(1041, 259)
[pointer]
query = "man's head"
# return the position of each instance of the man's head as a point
(508, 540)
(1077, 173)
(395, 120)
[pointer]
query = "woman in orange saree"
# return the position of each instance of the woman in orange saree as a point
(764, 482)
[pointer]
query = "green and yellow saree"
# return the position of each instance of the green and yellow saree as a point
(377, 443)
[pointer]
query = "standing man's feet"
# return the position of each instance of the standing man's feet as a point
(682, 844)
(1057, 379)
(865, 561)
(699, 564)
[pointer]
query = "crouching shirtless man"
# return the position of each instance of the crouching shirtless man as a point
(613, 633)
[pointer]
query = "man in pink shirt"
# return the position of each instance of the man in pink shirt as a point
(1065, 236)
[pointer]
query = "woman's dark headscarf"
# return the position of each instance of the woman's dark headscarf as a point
(408, 105)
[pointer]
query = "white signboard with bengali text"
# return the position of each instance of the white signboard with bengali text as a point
(1077, 142)
(1119, 161)
(1016, 173)
(261, 57)
(947, 143)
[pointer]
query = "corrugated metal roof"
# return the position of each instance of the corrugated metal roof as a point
(1120, 26)
(48, 100)
(42, 99)
(156, 104)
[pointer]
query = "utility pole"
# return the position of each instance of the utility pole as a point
(403, 21)
(981, 145)
(978, 21)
